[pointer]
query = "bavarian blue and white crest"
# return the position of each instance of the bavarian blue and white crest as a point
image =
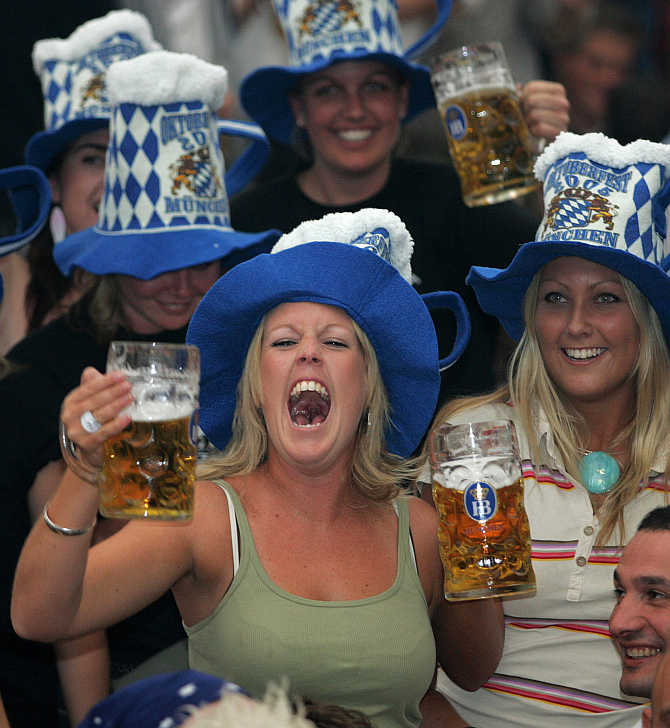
(317, 29)
(376, 241)
(164, 169)
(589, 201)
(72, 71)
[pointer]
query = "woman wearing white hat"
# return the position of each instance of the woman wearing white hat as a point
(305, 561)
(70, 150)
(162, 238)
(589, 303)
(346, 93)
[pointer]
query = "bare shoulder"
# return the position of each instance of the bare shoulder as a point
(423, 523)
(423, 517)
(211, 569)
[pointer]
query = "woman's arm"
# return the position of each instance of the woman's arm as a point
(84, 673)
(60, 589)
(469, 635)
(437, 712)
(83, 662)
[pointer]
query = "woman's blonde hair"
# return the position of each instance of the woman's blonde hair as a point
(376, 473)
(531, 389)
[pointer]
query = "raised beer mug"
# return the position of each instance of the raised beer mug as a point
(148, 469)
(483, 532)
(489, 142)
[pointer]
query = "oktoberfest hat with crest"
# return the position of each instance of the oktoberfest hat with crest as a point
(72, 74)
(165, 202)
(604, 202)
(28, 191)
(322, 32)
(358, 262)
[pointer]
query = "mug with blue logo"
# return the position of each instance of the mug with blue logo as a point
(483, 531)
(490, 144)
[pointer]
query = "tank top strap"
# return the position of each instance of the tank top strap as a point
(233, 500)
(406, 554)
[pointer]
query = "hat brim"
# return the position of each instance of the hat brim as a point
(501, 292)
(30, 194)
(45, 147)
(264, 93)
(354, 280)
(146, 255)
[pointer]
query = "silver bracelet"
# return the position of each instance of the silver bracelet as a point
(62, 530)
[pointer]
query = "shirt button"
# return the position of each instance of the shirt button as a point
(588, 530)
(581, 561)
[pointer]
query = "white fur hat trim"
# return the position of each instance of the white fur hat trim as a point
(90, 34)
(602, 150)
(162, 77)
(345, 227)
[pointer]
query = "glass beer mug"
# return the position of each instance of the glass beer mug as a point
(489, 142)
(483, 532)
(148, 469)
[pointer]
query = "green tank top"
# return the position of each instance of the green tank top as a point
(376, 655)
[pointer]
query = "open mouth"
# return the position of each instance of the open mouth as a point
(308, 403)
(585, 354)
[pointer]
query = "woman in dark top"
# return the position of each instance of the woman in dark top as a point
(345, 95)
(154, 257)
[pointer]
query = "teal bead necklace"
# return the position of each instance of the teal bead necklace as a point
(599, 471)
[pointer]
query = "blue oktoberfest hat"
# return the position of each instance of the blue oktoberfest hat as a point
(161, 700)
(358, 262)
(72, 74)
(29, 192)
(604, 202)
(165, 203)
(322, 32)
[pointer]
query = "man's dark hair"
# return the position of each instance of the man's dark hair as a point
(656, 520)
(334, 716)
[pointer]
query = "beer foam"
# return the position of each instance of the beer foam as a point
(159, 411)
(158, 399)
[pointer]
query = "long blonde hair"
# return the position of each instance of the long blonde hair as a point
(531, 389)
(376, 473)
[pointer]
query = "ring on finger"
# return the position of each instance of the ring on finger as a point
(90, 422)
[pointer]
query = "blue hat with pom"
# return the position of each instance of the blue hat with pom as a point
(72, 74)
(358, 262)
(604, 202)
(165, 199)
(322, 32)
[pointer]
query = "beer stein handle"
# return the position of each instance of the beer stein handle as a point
(70, 454)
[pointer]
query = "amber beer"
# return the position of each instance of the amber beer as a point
(148, 469)
(483, 531)
(490, 144)
(484, 557)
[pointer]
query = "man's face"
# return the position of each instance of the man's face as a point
(640, 621)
